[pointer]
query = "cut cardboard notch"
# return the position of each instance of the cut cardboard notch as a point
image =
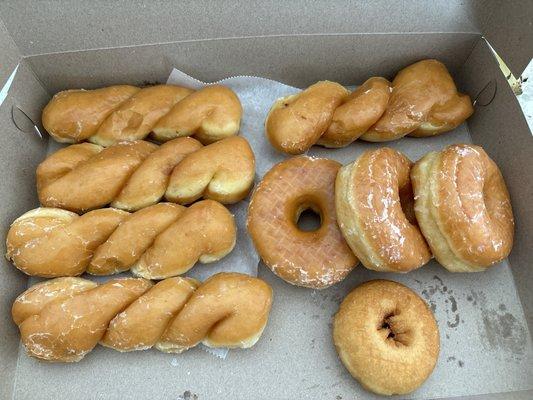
(23, 122)
(486, 95)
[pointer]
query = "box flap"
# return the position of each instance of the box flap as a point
(10, 54)
(70, 26)
(508, 26)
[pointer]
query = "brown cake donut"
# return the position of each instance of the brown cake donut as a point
(315, 259)
(386, 337)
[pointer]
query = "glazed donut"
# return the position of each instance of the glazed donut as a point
(156, 242)
(133, 175)
(374, 202)
(63, 319)
(315, 259)
(421, 101)
(463, 208)
(119, 113)
(386, 337)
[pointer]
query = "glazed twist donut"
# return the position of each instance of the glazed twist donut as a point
(126, 113)
(65, 318)
(374, 203)
(156, 242)
(387, 337)
(133, 175)
(421, 101)
(463, 208)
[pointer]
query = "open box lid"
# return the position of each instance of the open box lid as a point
(62, 27)
(71, 26)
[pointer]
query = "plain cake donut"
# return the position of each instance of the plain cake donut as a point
(315, 259)
(463, 208)
(386, 337)
(374, 203)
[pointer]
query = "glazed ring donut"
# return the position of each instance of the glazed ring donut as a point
(463, 208)
(315, 259)
(374, 202)
(386, 337)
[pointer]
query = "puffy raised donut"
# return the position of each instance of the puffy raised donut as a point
(133, 175)
(374, 202)
(315, 259)
(386, 337)
(421, 101)
(463, 208)
(113, 114)
(63, 319)
(156, 242)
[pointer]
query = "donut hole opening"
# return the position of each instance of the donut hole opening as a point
(407, 203)
(308, 218)
(393, 331)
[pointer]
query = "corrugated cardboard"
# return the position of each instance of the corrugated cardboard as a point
(297, 44)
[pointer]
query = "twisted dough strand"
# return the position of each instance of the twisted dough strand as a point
(119, 113)
(156, 242)
(133, 175)
(65, 318)
(422, 100)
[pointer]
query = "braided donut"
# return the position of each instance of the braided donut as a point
(387, 337)
(315, 259)
(374, 203)
(119, 113)
(133, 175)
(156, 242)
(421, 101)
(463, 208)
(63, 319)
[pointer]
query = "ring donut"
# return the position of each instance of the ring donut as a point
(463, 208)
(386, 337)
(315, 259)
(374, 203)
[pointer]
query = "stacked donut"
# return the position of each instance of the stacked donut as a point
(101, 213)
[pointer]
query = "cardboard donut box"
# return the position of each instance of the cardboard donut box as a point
(486, 353)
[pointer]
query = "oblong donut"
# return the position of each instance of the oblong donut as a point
(315, 259)
(463, 208)
(369, 194)
(386, 337)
